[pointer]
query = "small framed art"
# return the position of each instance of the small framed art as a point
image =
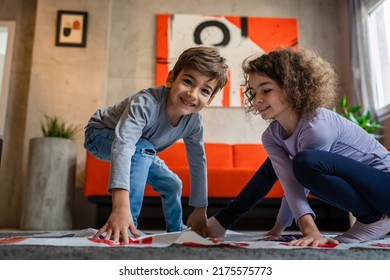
(71, 29)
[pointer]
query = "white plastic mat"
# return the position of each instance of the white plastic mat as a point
(84, 238)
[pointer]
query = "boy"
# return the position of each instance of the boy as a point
(131, 132)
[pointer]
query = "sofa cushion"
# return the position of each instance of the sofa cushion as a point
(229, 183)
(219, 155)
(96, 176)
(251, 157)
(248, 155)
(175, 155)
(222, 182)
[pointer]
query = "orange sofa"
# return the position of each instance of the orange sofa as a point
(229, 168)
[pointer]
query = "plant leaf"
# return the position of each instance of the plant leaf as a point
(365, 120)
(343, 102)
(354, 109)
(55, 127)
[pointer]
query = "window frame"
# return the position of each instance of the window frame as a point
(383, 111)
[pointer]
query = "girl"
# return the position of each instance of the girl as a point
(311, 149)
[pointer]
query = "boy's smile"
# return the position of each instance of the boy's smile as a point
(186, 100)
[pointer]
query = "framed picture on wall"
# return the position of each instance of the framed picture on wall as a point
(71, 29)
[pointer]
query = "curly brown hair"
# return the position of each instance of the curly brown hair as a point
(308, 81)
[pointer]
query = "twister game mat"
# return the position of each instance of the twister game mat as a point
(185, 238)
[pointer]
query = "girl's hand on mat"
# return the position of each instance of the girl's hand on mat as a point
(197, 221)
(311, 235)
(313, 241)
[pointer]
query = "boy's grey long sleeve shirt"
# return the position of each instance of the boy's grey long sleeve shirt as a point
(327, 131)
(144, 115)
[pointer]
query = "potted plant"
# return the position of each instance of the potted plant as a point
(363, 119)
(51, 177)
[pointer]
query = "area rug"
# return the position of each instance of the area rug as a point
(84, 238)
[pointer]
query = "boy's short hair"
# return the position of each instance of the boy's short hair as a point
(206, 60)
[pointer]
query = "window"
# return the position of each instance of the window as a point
(7, 29)
(379, 36)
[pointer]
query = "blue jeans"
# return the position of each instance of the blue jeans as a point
(146, 168)
(345, 183)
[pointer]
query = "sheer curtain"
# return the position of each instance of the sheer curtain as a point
(362, 89)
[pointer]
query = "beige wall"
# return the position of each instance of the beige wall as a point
(119, 60)
(132, 53)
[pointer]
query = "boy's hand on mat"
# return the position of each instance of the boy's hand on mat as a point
(117, 224)
(120, 218)
(197, 221)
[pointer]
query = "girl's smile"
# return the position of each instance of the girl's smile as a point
(269, 98)
(269, 101)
